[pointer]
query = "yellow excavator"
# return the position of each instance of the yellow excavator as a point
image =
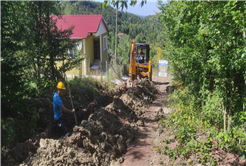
(139, 63)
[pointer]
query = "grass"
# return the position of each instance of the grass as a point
(32, 84)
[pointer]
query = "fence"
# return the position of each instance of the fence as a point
(109, 71)
(106, 71)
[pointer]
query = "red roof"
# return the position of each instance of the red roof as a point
(83, 24)
(120, 34)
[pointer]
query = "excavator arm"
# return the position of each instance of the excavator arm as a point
(132, 66)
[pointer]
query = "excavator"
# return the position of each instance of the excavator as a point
(139, 65)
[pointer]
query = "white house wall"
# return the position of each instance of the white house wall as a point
(101, 49)
(101, 30)
(84, 57)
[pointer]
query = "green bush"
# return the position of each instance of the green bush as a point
(188, 121)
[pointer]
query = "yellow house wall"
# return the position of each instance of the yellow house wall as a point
(82, 63)
(75, 70)
(89, 52)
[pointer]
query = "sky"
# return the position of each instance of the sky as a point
(150, 8)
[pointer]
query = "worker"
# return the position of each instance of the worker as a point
(58, 107)
(140, 56)
(141, 53)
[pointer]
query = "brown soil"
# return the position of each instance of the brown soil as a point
(107, 127)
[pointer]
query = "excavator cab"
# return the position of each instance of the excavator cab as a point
(142, 52)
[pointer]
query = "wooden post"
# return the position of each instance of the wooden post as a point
(244, 36)
(224, 116)
(107, 70)
(89, 66)
(111, 73)
(123, 68)
(244, 92)
(72, 104)
(158, 75)
(101, 71)
(80, 72)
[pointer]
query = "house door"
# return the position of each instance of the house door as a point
(96, 44)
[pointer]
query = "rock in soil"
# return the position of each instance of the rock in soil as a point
(121, 159)
(115, 163)
(140, 122)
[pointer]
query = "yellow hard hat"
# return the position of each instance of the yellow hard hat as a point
(60, 85)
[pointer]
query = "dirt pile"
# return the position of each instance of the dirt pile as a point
(103, 135)
(139, 97)
(54, 152)
(96, 141)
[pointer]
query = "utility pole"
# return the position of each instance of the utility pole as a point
(116, 36)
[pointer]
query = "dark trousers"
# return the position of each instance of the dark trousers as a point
(61, 127)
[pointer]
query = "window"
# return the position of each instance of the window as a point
(72, 53)
(58, 57)
(79, 45)
(105, 42)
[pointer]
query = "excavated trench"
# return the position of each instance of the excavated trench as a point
(107, 127)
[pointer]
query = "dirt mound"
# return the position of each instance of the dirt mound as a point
(103, 134)
(55, 152)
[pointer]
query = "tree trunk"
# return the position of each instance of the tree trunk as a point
(244, 35)
(230, 106)
(229, 121)
(224, 112)
(244, 93)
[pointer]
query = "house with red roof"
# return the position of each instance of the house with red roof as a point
(120, 34)
(91, 34)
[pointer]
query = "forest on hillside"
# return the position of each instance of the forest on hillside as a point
(133, 27)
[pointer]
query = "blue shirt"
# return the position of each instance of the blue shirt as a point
(57, 103)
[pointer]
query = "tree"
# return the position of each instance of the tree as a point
(158, 52)
(205, 45)
(123, 48)
(30, 43)
(123, 4)
(49, 43)
(25, 40)
(14, 67)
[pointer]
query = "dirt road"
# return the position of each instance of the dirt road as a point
(141, 152)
